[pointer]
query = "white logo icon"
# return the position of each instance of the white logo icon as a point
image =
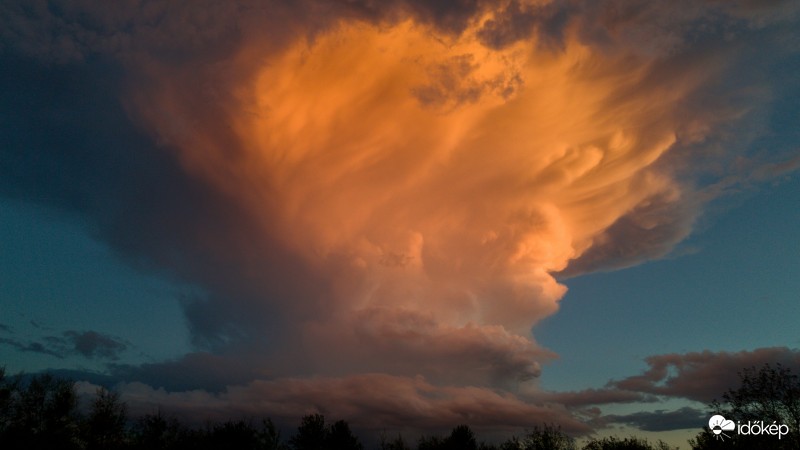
(718, 424)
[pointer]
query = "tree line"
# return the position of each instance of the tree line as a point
(41, 412)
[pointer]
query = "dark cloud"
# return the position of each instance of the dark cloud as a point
(518, 21)
(73, 31)
(376, 401)
(454, 83)
(5, 328)
(648, 232)
(83, 376)
(512, 24)
(368, 401)
(89, 344)
(202, 370)
(703, 376)
(132, 194)
(92, 344)
(660, 420)
(448, 16)
(181, 31)
(376, 341)
(31, 347)
(38, 347)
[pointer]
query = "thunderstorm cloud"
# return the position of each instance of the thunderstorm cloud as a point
(378, 200)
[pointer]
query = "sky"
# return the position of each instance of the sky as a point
(406, 214)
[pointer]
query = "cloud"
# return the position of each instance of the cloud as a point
(403, 341)
(194, 371)
(703, 376)
(649, 231)
(380, 401)
(75, 31)
(524, 20)
(92, 344)
(660, 420)
(367, 401)
(502, 183)
(367, 186)
(31, 347)
(364, 192)
(89, 344)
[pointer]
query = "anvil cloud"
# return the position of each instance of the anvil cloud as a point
(384, 195)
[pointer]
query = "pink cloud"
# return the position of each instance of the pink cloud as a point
(367, 401)
(703, 376)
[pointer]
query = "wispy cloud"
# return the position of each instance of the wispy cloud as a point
(31, 347)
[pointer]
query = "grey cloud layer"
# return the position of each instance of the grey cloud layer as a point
(660, 420)
(377, 401)
(89, 344)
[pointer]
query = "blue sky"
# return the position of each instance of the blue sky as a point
(730, 287)
(56, 277)
(581, 213)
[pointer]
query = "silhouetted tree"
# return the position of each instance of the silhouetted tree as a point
(105, 425)
(155, 432)
(7, 387)
(705, 440)
(41, 414)
(430, 443)
(513, 443)
(629, 443)
(769, 394)
(341, 438)
(270, 436)
(393, 444)
(547, 437)
(235, 435)
(311, 433)
(461, 438)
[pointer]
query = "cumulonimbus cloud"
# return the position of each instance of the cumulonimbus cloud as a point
(422, 173)
(395, 187)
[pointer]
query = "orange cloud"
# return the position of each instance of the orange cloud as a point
(376, 190)
(427, 175)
